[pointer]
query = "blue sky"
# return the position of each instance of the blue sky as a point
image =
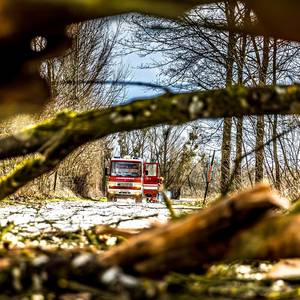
(133, 62)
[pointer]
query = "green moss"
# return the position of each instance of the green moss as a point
(54, 139)
(295, 209)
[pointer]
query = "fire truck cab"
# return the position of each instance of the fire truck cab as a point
(132, 178)
(151, 181)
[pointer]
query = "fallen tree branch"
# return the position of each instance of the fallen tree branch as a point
(273, 238)
(187, 244)
(236, 101)
(38, 271)
(54, 139)
(199, 239)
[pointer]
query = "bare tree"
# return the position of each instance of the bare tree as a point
(73, 80)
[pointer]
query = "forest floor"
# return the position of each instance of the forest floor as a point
(67, 224)
(36, 216)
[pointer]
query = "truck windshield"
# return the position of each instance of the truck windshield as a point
(151, 169)
(127, 169)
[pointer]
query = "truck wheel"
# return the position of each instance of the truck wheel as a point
(154, 199)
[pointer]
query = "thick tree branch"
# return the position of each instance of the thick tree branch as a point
(273, 238)
(53, 140)
(168, 108)
(200, 238)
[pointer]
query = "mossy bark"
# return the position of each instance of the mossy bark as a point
(54, 139)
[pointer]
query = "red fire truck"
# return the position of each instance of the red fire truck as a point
(132, 178)
(151, 181)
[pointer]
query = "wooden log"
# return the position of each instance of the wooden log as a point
(185, 107)
(199, 239)
(273, 238)
(34, 270)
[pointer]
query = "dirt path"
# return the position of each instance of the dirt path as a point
(71, 215)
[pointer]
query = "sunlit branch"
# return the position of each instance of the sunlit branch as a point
(54, 139)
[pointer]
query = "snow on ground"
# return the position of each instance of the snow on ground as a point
(71, 215)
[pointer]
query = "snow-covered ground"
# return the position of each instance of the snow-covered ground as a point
(71, 215)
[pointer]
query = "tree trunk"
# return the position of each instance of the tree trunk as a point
(226, 139)
(260, 125)
(166, 132)
(259, 155)
(239, 126)
(239, 152)
(55, 180)
(275, 123)
(176, 192)
(226, 150)
(123, 144)
(275, 153)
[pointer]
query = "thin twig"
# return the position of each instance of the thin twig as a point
(169, 206)
(119, 82)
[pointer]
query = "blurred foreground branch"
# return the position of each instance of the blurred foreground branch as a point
(201, 238)
(21, 87)
(54, 139)
(222, 231)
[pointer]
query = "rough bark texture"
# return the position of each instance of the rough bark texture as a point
(275, 123)
(259, 155)
(260, 125)
(275, 151)
(190, 243)
(240, 120)
(226, 151)
(273, 238)
(239, 152)
(226, 139)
